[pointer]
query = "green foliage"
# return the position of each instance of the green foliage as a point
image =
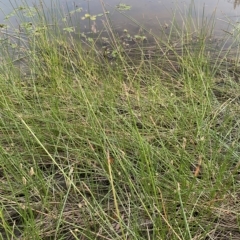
(127, 141)
(123, 7)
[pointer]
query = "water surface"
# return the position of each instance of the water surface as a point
(150, 13)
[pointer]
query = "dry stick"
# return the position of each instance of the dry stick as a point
(162, 200)
(166, 221)
(109, 161)
(184, 214)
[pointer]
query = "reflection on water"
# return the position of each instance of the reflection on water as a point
(150, 13)
(153, 17)
(236, 3)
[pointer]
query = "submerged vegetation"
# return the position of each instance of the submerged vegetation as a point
(118, 135)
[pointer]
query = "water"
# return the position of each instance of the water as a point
(147, 12)
(151, 14)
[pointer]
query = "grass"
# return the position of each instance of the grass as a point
(137, 141)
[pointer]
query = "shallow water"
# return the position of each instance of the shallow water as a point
(149, 13)
(152, 15)
(140, 9)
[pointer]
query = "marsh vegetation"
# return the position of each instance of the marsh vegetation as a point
(118, 135)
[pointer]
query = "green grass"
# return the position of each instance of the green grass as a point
(106, 144)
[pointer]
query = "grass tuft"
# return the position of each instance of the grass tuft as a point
(118, 136)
